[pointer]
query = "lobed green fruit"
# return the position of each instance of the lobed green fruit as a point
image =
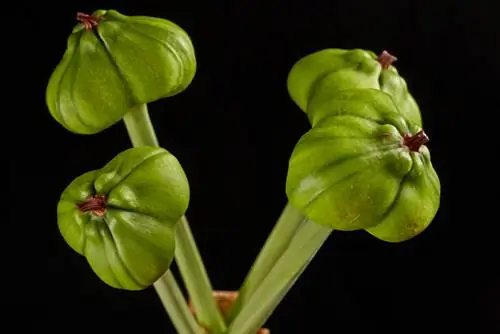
(122, 217)
(320, 76)
(113, 62)
(363, 165)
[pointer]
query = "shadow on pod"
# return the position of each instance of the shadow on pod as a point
(122, 217)
(113, 62)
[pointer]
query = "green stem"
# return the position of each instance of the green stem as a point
(276, 244)
(141, 133)
(196, 279)
(173, 300)
(139, 126)
(305, 244)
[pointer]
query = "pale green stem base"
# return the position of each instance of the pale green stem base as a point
(173, 300)
(141, 133)
(196, 279)
(278, 241)
(305, 244)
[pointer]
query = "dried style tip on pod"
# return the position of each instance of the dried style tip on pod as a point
(364, 163)
(122, 217)
(113, 62)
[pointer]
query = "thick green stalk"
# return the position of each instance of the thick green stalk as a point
(278, 241)
(141, 133)
(305, 244)
(139, 126)
(173, 300)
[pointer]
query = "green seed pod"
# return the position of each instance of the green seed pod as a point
(320, 76)
(122, 217)
(114, 62)
(365, 166)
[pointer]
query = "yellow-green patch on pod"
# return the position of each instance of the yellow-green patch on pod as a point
(321, 76)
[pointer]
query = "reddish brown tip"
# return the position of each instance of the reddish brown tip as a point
(88, 21)
(416, 141)
(95, 204)
(386, 59)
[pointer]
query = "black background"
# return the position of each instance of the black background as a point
(233, 130)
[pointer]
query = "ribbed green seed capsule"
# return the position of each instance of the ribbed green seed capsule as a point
(114, 62)
(122, 217)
